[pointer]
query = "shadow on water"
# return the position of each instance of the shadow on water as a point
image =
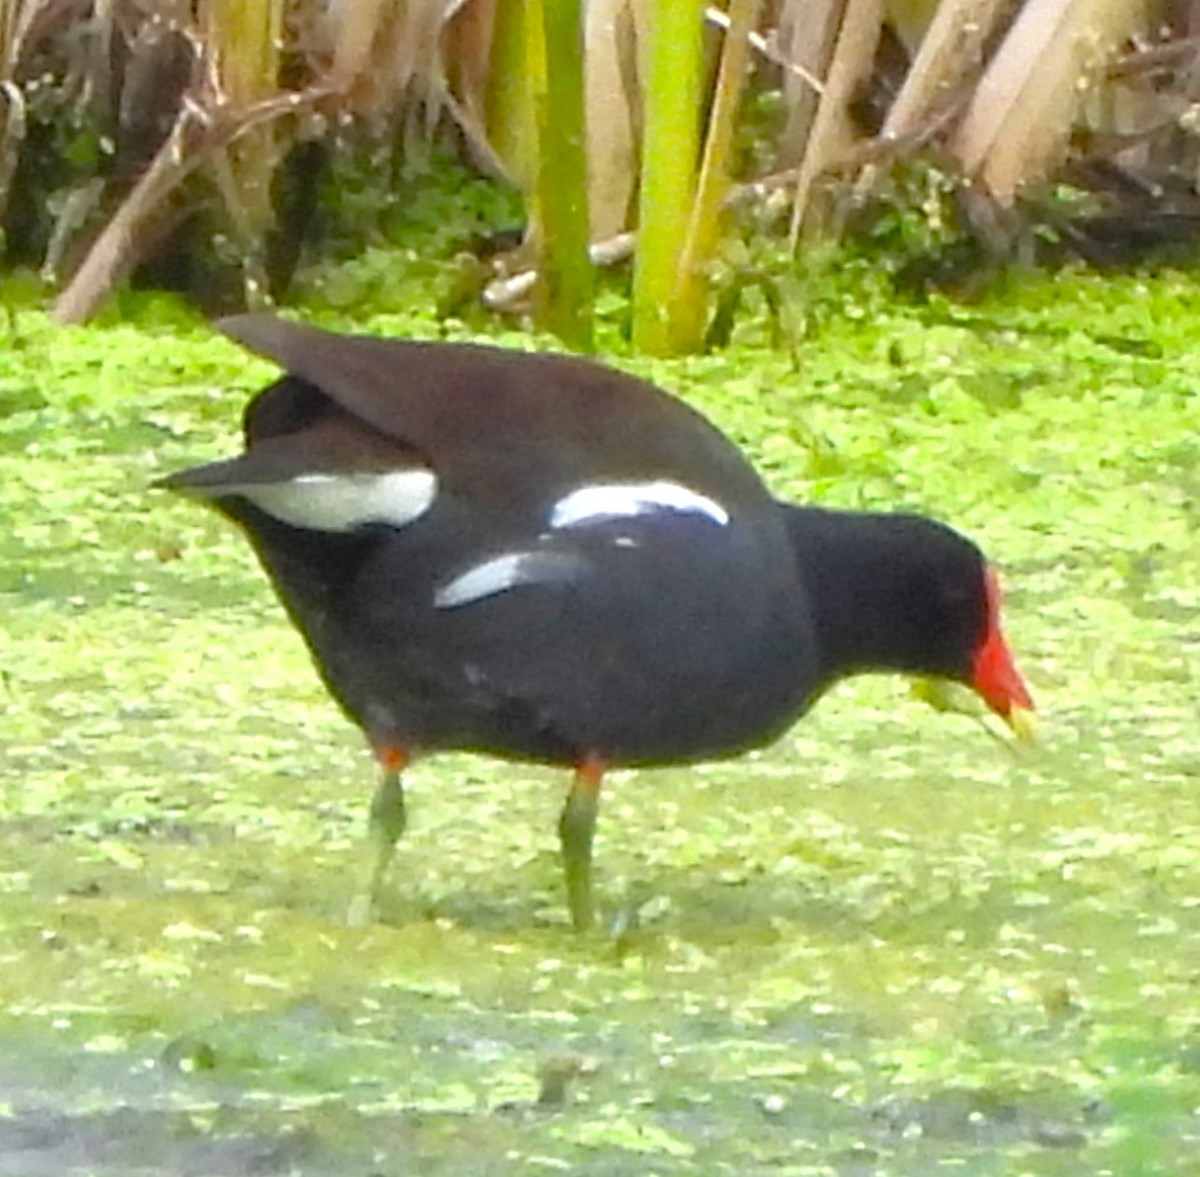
(213, 1104)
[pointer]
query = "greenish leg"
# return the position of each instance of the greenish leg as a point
(577, 828)
(385, 824)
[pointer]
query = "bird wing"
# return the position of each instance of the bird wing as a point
(492, 416)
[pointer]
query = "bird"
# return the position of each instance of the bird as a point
(538, 557)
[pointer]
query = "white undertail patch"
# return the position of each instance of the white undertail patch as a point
(509, 571)
(344, 502)
(621, 500)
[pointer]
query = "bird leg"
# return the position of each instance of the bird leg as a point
(576, 829)
(385, 824)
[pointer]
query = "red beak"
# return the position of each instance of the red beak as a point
(994, 674)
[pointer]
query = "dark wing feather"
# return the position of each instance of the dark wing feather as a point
(490, 416)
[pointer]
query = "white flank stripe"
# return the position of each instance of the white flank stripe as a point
(502, 573)
(344, 502)
(619, 500)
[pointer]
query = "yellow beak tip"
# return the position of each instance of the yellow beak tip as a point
(1024, 724)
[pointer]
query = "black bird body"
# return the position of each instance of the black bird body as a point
(638, 634)
(557, 670)
(543, 559)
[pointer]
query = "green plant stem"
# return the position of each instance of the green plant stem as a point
(565, 282)
(669, 159)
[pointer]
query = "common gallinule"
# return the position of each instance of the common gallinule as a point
(541, 558)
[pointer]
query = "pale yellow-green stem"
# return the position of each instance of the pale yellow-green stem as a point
(245, 36)
(689, 304)
(510, 118)
(670, 150)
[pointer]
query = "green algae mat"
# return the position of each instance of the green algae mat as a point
(892, 944)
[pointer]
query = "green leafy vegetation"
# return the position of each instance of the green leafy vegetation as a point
(889, 944)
